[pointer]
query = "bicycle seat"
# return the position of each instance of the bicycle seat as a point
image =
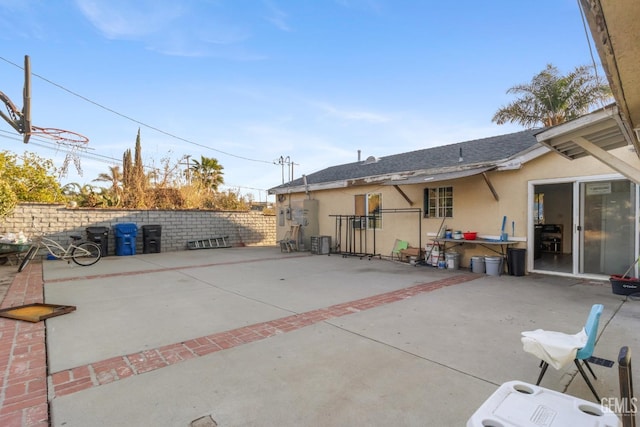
(75, 237)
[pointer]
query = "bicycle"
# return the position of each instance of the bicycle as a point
(81, 252)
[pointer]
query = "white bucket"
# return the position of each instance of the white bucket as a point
(427, 253)
(477, 264)
(453, 260)
(493, 264)
(435, 256)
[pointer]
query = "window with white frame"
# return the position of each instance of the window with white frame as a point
(438, 202)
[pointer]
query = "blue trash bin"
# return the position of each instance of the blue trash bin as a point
(125, 235)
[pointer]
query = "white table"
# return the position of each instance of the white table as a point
(488, 244)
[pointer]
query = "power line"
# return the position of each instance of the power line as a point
(57, 146)
(111, 110)
(593, 59)
(43, 143)
(61, 147)
(231, 186)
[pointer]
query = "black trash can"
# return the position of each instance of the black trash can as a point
(151, 235)
(100, 236)
(516, 259)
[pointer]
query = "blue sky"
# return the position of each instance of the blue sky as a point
(247, 82)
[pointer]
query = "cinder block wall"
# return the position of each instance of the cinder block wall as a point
(58, 222)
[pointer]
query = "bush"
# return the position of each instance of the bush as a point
(8, 199)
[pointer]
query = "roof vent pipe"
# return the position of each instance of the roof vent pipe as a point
(359, 152)
(460, 159)
(306, 186)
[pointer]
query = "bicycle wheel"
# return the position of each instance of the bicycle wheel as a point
(86, 253)
(30, 254)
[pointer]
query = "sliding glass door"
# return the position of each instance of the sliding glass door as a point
(607, 232)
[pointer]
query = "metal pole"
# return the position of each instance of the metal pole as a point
(188, 169)
(282, 161)
(287, 160)
(282, 167)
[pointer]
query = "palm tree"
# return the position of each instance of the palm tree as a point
(115, 178)
(551, 98)
(208, 173)
(71, 190)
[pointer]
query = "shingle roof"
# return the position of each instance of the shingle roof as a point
(479, 151)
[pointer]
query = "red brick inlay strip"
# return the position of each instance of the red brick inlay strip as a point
(117, 368)
(23, 368)
(163, 269)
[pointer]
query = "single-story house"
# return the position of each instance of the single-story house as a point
(573, 214)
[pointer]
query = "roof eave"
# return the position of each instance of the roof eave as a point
(604, 127)
(309, 187)
(520, 159)
(613, 26)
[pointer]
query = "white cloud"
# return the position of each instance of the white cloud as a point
(353, 115)
(277, 16)
(124, 19)
(19, 18)
(190, 29)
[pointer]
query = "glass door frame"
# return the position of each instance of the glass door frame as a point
(579, 215)
(577, 251)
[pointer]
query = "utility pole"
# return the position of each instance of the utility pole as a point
(285, 161)
(188, 171)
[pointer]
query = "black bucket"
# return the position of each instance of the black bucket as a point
(622, 285)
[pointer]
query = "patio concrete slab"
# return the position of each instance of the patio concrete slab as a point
(319, 376)
(475, 327)
(169, 304)
(360, 351)
(302, 285)
(140, 314)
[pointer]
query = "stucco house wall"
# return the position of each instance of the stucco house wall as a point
(475, 208)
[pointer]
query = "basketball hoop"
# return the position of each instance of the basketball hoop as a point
(20, 120)
(61, 136)
(72, 140)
